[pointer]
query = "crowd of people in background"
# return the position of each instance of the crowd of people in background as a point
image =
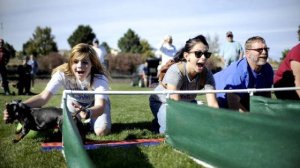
(26, 72)
(87, 70)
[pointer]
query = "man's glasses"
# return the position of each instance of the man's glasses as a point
(260, 50)
(198, 54)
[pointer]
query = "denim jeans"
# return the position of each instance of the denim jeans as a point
(154, 106)
(161, 117)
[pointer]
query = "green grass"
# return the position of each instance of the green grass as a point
(131, 118)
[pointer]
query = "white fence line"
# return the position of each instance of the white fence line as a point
(67, 92)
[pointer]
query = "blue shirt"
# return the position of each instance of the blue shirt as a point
(239, 75)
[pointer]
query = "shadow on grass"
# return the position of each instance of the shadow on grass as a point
(119, 157)
(119, 127)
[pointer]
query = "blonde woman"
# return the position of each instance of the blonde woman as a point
(82, 72)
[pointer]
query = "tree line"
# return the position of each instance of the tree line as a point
(42, 42)
(132, 48)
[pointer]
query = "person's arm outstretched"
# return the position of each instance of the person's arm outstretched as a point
(212, 100)
(39, 100)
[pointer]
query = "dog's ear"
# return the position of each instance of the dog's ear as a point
(16, 101)
(21, 105)
(9, 105)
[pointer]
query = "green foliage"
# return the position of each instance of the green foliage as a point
(83, 34)
(42, 42)
(273, 63)
(130, 43)
(146, 49)
(10, 49)
(284, 53)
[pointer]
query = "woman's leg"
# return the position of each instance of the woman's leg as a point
(161, 116)
(154, 106)
(102, 125)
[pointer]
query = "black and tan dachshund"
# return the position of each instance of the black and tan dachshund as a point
(37, 119)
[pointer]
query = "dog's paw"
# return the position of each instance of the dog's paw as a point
(15, 141)
(17, 131)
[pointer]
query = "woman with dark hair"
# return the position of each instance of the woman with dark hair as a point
(187, 73)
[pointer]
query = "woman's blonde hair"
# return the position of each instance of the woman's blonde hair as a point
(82, 51)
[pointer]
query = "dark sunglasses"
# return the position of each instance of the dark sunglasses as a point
(260, 50)
(198, 54)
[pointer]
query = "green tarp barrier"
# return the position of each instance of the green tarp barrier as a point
(75, 154)
(268, 136)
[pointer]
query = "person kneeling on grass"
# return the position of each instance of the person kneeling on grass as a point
(82, 72)
(187, 73)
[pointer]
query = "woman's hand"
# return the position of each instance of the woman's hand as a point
(5, 115)
(84, 112)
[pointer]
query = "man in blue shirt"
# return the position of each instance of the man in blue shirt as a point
(252, 71)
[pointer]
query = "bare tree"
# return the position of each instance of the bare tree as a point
(213, 43)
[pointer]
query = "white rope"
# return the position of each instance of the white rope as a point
(67, 92)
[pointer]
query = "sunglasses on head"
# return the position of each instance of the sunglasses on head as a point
(260, 50)
(198, 54)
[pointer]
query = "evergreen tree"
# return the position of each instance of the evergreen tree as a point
(130, 43)
(41, 43)
(10, 49)
(83, 34)
(146, 49)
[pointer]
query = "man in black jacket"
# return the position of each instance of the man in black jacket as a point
(4, 58)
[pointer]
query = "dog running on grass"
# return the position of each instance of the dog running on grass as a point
(38, 119)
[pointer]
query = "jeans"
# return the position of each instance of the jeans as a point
(161, 116)
(154, 106)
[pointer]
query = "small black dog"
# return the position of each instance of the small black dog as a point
(37, 119)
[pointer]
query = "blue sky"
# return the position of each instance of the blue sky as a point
(275, 20)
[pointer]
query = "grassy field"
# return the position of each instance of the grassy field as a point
(131, 118)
